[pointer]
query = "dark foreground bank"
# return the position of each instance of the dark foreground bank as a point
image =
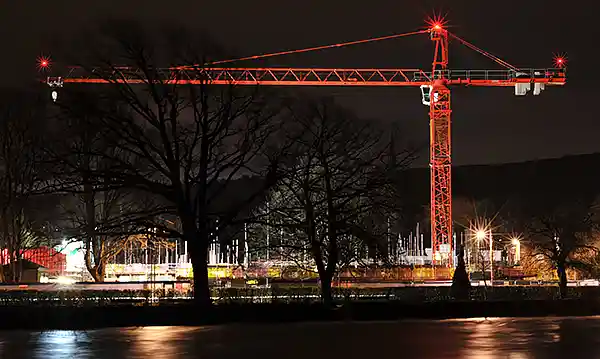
(41, 317)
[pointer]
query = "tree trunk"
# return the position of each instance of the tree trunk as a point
(99, 278)
(96, 270)
(15, 267)
(326, 293)
(97, 274)
(198, 255)
(101, 270)
(197, 237)
(562, 279)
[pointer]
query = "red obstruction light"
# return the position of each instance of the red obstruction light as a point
(436, 22)
(560, 61)
(43, 63)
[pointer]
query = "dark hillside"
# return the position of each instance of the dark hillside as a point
(564, 175)
(501, 184)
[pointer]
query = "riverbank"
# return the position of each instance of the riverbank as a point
(88, 317)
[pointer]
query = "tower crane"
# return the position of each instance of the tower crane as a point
(435, 85)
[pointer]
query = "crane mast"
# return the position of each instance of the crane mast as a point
(434, 85)
(440, 160)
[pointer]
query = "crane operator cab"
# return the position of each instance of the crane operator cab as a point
(426, 95)
(427, 91)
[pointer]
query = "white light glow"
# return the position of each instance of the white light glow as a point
(65, 280)
(74, 252)
(480, 235)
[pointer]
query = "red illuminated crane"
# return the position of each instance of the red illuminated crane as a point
(435, 87)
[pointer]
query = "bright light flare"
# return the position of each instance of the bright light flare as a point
(65, 281)
(43, 63)
(480, 230)
(480, 234)
(437, 22)
(560, 60)
(516, 242)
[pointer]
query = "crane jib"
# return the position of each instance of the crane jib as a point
(317, 77)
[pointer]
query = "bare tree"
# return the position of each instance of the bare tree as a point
(182, 143)
(97, 211)
(590, 259)
(21, 224)
(559, 228)
(106, 222)
(339, 175)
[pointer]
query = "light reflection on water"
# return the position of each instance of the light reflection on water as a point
(493, 338)
(60, 344)
(167, 342)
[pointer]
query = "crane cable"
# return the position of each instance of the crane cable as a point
(484, 53)
(288, 52)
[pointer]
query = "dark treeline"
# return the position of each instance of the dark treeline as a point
(144, 162)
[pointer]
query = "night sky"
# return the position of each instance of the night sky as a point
(490, 125)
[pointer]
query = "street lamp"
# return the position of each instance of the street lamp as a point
(517, 243)
(480, 235)
(491, 260)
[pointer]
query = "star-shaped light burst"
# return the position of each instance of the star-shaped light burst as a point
(437, 22)
(560, 60)
(43, 63)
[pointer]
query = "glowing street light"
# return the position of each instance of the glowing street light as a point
(516, 242)
(480, 235)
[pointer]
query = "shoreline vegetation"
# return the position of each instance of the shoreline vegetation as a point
(99, 309)
(94, 317)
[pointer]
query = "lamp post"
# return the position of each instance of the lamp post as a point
(517, 243)
(491, 260)
(480, 236)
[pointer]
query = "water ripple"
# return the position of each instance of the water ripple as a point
(480, 338)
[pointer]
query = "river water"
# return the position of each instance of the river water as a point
(547, 338)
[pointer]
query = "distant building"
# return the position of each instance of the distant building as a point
(30, 272)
